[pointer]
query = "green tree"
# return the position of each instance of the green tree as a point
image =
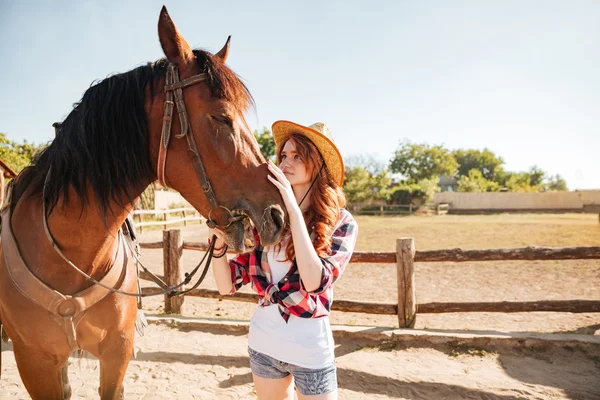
(536, 176)
(429, 187)
(556, 184)
(357, 185)
(519, 182)
(17, 155)
(381, 183)
(422, 161)
(489, 164)
(475, 182)
(361, 186)
(266, 143)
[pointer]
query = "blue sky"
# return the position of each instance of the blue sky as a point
(521, 78)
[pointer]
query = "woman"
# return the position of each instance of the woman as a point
(290, 340)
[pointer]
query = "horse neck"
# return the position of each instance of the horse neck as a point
(87, 239)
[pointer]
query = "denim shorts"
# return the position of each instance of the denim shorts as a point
(309, 382)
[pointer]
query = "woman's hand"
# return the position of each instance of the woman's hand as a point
(220, 241)
(278, 179)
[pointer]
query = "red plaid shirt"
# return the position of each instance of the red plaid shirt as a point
(289, 293)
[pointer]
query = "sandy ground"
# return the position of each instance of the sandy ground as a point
(178, 363)
(182, 363)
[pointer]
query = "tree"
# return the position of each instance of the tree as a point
(422, 161)
(357, 185)
(556, 184)
(360, 186)
(367, 161)
(536, 176)
(489, 164)
(519, 182)
(382, 183)
(475, 182)
(266, 143)
(17, 155)
(420, 192)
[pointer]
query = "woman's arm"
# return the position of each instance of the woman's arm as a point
(220, 267)
(309, 264)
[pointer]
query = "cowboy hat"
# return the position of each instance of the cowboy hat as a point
(320, 135)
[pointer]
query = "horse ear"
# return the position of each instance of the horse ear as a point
(174, 46)
(222, 54)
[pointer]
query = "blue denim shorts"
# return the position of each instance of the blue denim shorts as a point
(309, 382)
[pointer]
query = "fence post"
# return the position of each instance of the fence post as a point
(381, 211)
(172, 251)
(405, 273)
(184, 218)
(141, 228)
(410, 209)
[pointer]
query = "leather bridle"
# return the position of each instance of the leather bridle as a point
(174, 91)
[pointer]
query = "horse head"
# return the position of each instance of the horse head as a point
(210, 155)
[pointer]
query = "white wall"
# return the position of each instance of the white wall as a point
(519, 201)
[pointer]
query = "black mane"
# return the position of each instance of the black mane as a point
(103, 142)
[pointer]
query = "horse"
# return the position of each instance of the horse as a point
(70, 204)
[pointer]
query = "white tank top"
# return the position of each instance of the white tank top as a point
(306, 342)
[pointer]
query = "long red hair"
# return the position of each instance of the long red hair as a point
(326, 198)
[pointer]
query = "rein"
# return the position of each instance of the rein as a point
(170, 290)
(173, 99)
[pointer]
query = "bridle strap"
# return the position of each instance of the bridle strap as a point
(174, 99)
(173, 88)
(186, 82)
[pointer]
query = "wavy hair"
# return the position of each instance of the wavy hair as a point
(326, 198)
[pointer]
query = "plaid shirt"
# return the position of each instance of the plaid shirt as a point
(289, 293)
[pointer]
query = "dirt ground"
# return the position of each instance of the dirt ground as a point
(179, 363)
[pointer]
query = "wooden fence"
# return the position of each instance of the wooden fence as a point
(381, 209)
(397, 209)
(404, 257)
(187, 214)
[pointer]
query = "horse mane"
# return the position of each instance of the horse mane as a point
(103, 143)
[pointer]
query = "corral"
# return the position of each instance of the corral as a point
(206, 358)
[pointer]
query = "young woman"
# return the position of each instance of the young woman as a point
(290, 341)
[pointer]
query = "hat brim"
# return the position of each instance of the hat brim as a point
(282, 130)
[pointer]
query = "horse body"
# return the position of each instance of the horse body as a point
(87, 180)
(40, 340)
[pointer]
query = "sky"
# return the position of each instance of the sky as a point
(521, 78)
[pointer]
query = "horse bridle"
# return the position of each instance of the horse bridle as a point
(174, 89)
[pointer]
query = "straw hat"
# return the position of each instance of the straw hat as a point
(320, 135)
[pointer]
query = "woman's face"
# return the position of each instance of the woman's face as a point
(294, 168)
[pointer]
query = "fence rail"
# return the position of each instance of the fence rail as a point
(404, 257)
(381, 209)
(188, 214)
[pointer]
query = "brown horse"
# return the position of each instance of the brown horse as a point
(107, 151)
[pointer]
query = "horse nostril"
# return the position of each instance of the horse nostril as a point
(277, 216)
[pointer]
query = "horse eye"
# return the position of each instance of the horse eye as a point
(222, 119)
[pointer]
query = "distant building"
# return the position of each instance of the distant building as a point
(448, 183)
